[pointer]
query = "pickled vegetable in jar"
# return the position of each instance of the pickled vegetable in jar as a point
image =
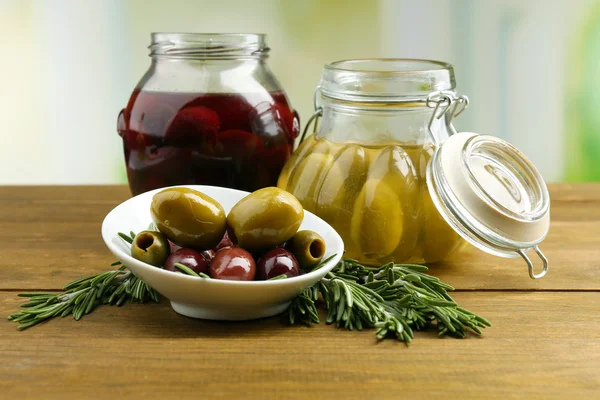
(208, 111)
(363, 170)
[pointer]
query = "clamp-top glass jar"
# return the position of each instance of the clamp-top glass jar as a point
(208, 111)
(364, 170)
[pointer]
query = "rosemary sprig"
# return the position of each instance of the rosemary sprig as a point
(82, 296)
(395, 299)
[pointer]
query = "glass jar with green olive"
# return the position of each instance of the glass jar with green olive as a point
(363, 171)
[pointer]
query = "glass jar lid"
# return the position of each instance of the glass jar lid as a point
(491, 195)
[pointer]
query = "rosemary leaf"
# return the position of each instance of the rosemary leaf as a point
(186, 269)
(282, 276)
(125, 237)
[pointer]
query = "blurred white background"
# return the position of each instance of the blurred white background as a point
(530, 69)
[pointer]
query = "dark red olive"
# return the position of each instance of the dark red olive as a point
(173, 247)
(225, 242)
(237, 143)
(196, 261)
(193, 124)
(209, 254)
(134, 140)
(151, 116)
(277, 262)
(233, 264)
(289, 119)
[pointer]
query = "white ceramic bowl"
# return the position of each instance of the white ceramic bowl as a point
(212, 298)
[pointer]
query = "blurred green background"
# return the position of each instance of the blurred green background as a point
(530, 69)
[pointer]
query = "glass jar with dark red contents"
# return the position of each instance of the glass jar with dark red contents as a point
(208, 111)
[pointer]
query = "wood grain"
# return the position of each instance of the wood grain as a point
(572, 247)
(51, 235)
(541, 346)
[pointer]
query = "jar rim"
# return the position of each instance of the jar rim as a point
(341, 65)
(192, 45)
(386, 80)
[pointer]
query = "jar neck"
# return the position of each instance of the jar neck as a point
(368, 124)
(207, 46)
(209, 63)
(170, 63)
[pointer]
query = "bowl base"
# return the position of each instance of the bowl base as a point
(220, 314)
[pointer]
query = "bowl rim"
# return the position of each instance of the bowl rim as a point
(128, 259)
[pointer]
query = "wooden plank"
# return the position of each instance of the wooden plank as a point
(573, 251)
(572, 248)
(542, 345)
(51, 235)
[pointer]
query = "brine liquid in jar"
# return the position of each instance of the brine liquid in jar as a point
(237, 140)
(375, 197)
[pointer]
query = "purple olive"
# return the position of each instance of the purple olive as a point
(225, 242)
(233, 264)
(173, 247)
(196, 261)
(277, 262)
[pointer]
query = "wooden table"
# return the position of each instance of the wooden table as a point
(544, 342)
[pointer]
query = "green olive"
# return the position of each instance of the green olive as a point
(440, 240)
(265, 219)
(377, 221)
(308, 247)
(188, 218)
(150, 247)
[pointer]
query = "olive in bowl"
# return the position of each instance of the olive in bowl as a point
(150, 247)
(308, 247)
(233, 264)
(225, 242)
(277, 262)
(188, 218)
(264, 219)
(199, 262)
